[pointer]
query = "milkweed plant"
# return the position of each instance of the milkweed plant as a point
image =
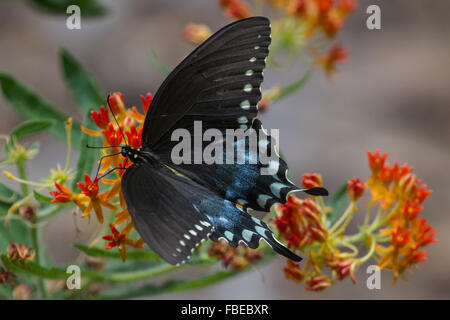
(117, 263)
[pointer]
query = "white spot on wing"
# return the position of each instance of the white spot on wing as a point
(245, 104)
(247, 235)
(276, 187)
(205, 223)
(242, 120)
(262, 200)
(248, 87)
(260, 230)
(255, 220)
(229, 235)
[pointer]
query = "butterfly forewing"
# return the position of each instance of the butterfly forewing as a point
(218, 84)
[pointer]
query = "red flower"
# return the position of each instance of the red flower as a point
(415, 256)
(116, 102)
(114, 137)
(236, 9)
(293, 271)
(386, 174)
(318, 283)
(423, 232)
(376, 161)
(101, 118)
(422, 193)
(355, 188)
(115, 239)
(146, 101)
(134, 137)
(399, 237)
(408, 184)
(398, 172)
(346, 6)
(411, 209)
(345, 268)
(62, 194)
(298, 6)
(312, 180)
(90, 188)
(324, 5)
(332, 24)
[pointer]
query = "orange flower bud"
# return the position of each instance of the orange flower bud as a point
(355, 189)
(312, 180)
(376, 161)
(196, 33)
(318, 283)
(146, 101)
(293, 271)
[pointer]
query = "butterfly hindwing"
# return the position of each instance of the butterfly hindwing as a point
(161, 205)
(234, 225)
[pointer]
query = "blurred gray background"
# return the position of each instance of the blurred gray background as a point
(392, 94)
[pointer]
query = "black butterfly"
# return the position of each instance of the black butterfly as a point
(176, 207)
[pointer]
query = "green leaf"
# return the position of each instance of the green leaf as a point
(338, 203)
(31, 106)
(110, 254)
(87, 96)
(293, 87)
(83, 86)
(41, 198)
(32, 268)
(163, 68)
(171, 286)
(28, 128)
(7, 196)
(88, 8)
(15, 231)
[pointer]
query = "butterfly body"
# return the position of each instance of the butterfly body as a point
(176, 206)
(140, 155)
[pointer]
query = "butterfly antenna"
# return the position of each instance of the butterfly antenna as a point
(97, 147)
(114, 116)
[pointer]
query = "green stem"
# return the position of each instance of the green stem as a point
(34, 231)
(342, 218)
(22, 175)
(371, 251)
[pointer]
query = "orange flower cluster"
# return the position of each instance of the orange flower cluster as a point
(395, 237)
(300, 21)
(234, 258)
(90, 199)
(327, 16)
(401, 193)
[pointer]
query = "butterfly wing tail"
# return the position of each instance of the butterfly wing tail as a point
(235, 226)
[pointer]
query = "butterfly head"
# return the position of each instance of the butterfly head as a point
(131, 153)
